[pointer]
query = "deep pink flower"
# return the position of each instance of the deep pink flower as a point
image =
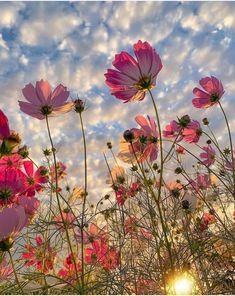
(34, 179)
(202, 182)
(133, 78)
(123, 193)
(68, 273)
(180, 150)
(192, 132)
(4, 126)
(208, 155)
(100, 253)
(43, 102)
(61, 171)
(11, 161)
(41, 255)
(5, 270)
(11, 185)
(30, 205)
(12, 221)
(210, 95)
(145, 143)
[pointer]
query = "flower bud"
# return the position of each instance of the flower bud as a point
(205, 121)
(128, 136)
(79, 106)
(109, 144)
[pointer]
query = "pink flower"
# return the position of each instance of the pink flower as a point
(30, 205)
(12, 221)
(172, 130)
(68, 217)
(11, 185)
(61, 171)
(68, 273)
(208, 155)
(180, 150)
(93, 233)
(133, 78)
(5, 270)
(100, 253)
(145, 143)
(41, 255)
(4, 126)
(202, 182)
(123, 193)
(192, 132)
(43, 102)
(11, 161)
(34, 179)
(210, 95)
(206, 220)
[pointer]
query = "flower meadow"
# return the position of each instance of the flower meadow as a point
(156, 234)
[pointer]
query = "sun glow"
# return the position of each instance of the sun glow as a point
(182, 285)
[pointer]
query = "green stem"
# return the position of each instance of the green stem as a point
(84, 201)
(14, 270)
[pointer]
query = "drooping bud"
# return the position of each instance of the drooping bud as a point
(128, 136)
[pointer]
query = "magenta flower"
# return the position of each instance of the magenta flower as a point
(68, 273)
(11, 161)
(145, 143)
(43, 102)
(4, 126)
(11, 185)
(30, 205)
(34, 179)
(202, 182)
(133, 78)
(208, 155)
(12, 221)
(210, 95)
(192, 132)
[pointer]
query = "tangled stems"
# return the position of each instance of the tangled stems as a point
(161, 176)
(84, 200)
(231, 145)
(14, 270)
(58, 200)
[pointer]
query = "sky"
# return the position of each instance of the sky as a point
(74, 43)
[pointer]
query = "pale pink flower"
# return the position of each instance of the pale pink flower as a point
(12, 221)
(192, 132)
(43, 102)
(210, 95)
(92, 233)
(208, 155)
(30, 204)
(42, 255)
(172, 130)
(69, 220)
(202, 182)
(133, 78)
(61, 171)
(145, 143)
(180, 150)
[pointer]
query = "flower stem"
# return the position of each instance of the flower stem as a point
(58, 200)
(84, 200)
(14, 270)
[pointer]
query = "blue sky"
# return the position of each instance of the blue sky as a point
(73, 43)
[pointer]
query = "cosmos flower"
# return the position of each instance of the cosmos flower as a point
(4, 126)
(30, 204)
(11, 161)
(11, 185)
(208, 155)
(68, 271)
(68, 217)
(210, 95)
(12, 221)
(175, 189)
(42, 255)
(192, 132)
(172, 130)
(133, 78)
(100, 253)
(34, 179)
(61, 171)
(43, 102)
(91, 234)
(202, 182)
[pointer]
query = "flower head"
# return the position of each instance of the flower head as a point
(210, 95)
(4, 126)
(208, 155)
(68, 272)
(134, 77)
(43, 102)
(192, 132)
